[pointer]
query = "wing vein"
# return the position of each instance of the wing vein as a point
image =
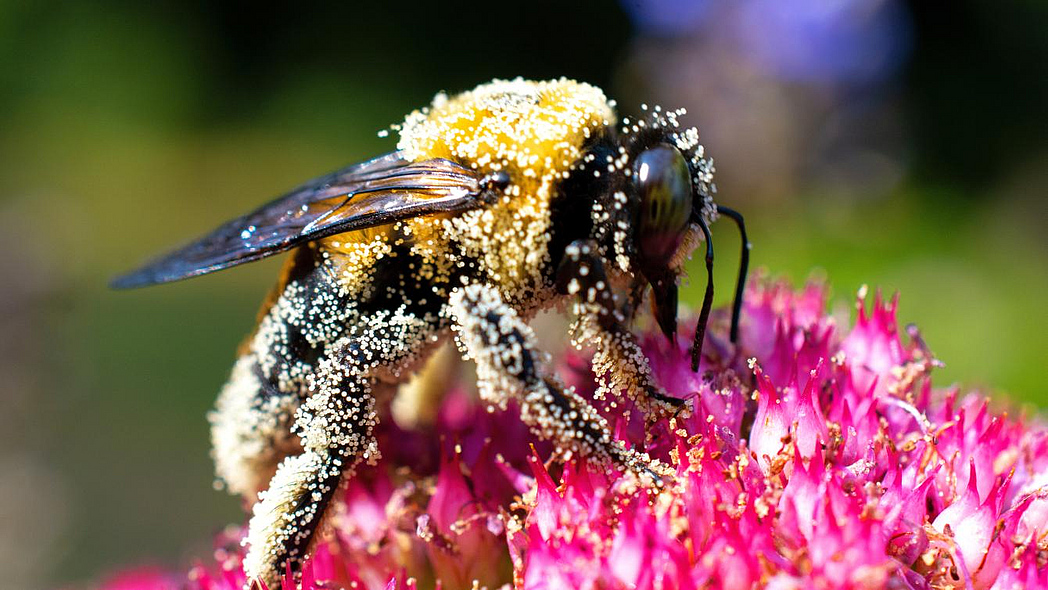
(376, 192)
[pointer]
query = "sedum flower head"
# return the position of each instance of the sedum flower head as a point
(816, 457)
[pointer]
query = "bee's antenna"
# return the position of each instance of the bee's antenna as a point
(707, 299)
(744, 264)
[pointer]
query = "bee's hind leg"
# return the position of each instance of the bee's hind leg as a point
(618, 360)
(336, 425)
(509, 364)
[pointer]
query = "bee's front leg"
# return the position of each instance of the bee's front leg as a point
(617, 360)
(336, 425)
(509, 365)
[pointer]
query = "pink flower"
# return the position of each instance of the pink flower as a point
(151, 577)
(829, 460)
(784, 415)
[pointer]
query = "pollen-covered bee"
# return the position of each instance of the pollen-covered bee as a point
(498, 202)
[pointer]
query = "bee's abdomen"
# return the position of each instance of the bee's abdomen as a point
(251, 423)
(250, 429)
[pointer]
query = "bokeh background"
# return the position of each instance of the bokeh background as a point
(897, 144)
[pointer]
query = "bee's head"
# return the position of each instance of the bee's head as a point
(669, 183)
(664, 196)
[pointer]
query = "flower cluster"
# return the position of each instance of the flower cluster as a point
(814, 457)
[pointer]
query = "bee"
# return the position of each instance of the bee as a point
(497, 203)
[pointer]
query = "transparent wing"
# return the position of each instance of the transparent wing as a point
(376, 192)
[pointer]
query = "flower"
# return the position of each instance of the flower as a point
(816, 457)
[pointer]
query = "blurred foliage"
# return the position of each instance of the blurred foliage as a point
(128, 127)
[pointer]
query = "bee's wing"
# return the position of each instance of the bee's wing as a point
(376, 192)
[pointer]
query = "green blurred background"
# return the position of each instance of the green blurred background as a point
(867, 141)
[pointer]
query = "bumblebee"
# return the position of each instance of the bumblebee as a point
(498, 202)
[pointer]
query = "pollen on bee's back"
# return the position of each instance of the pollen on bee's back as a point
(535, 132)
(526, 128)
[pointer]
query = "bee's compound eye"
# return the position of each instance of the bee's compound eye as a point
(663, 183)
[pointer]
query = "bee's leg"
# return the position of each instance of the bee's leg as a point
(618, 359)
(509, 364)
(336, 426)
